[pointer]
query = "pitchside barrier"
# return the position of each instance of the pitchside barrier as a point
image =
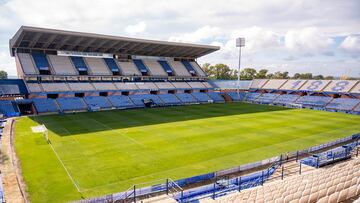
(221, 184)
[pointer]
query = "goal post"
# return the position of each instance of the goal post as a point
(42, 129)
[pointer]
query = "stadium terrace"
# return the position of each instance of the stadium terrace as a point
(121, 113)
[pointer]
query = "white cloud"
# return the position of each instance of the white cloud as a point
(307, 40)
(204, 33)
(136, 29)
(351, 44)
(7, 63)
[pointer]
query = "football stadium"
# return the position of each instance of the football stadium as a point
(100, 118)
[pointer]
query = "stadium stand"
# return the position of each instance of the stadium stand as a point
(201, 97)
(71, 104)
(44, 105)
(186, 98)
(356, 89)
(357, 109)
(216, 96)
(315, 85)
(340, 86)
(267, 98)
(258, 84)
(207, 85)
(41, 61)
(164, 85)
(146, 86)
(292, 85)
(128, 68)
(343, 104)
(286, 99)
(137, 99)
(169, 99)
(104, 86)
(26, 63)
(55, 87)
(9, 89)
(189, 67)
(196, 85)
(112, 65)
(62, 65)
(81, 86)
(334, 184)
(313, 101)
(8, 108)
(97, 66)
(126, 86)
(165, 65)
(79, 64)
(252, 96)
(179, 68)
(229, 84)
(237, 97)
(181, 85)
(198, 69)
(120, 101)
(34, 87)
(141, 66)
(273, 84)
(155, 68)
(97, 103)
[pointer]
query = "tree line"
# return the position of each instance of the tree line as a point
(223, 72)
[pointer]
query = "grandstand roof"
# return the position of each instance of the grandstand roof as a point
(52, 39)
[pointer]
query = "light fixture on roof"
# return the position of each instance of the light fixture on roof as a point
(240, 42)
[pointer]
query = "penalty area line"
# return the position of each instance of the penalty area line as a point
(63, 165)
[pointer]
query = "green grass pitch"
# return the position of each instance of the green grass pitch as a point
(108, 152)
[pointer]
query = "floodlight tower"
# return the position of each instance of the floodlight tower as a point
(240, 42)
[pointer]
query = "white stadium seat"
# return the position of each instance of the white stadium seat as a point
(128, 68)
(292, 84)
(155, 68)
(274, 84)
(181, 85)
(81, 86)
(340, 86)
(258, 83)
(104, 86)
(196, 85)
(198, 69)
(146, 86)
(62, 65)
(126, 86)
(164, 85)
(27, 63)
(55, 87)
(97, 66)
(356, 88)
(315, 85)
(34, 87)
(179, 68)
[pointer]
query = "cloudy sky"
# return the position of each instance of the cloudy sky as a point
(322, 37)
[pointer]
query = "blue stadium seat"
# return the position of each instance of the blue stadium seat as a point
(8, 108)
(216, 96)
(79, 63)
(235, 97)
(40, 60)
(286, 99)
(165, 65)
(97, 102)
(169, 99)
(189, 67)
(112, 64)
(137, 99)
(71, 104)
(343, 104)
(154, 98)
(140, 65)
(313, 101)
(9, 89)
(121, 101)
(44, 105)
(252, 96)
(201, 97)
(266, 98)
(186, 98)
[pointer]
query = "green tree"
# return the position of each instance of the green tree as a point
(261, 74)
(247, 74)
(3, 74)
(318, 77)
(219, 71)
(329, 77)
(279, 75)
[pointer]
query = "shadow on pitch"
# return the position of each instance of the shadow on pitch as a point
(89, 122)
